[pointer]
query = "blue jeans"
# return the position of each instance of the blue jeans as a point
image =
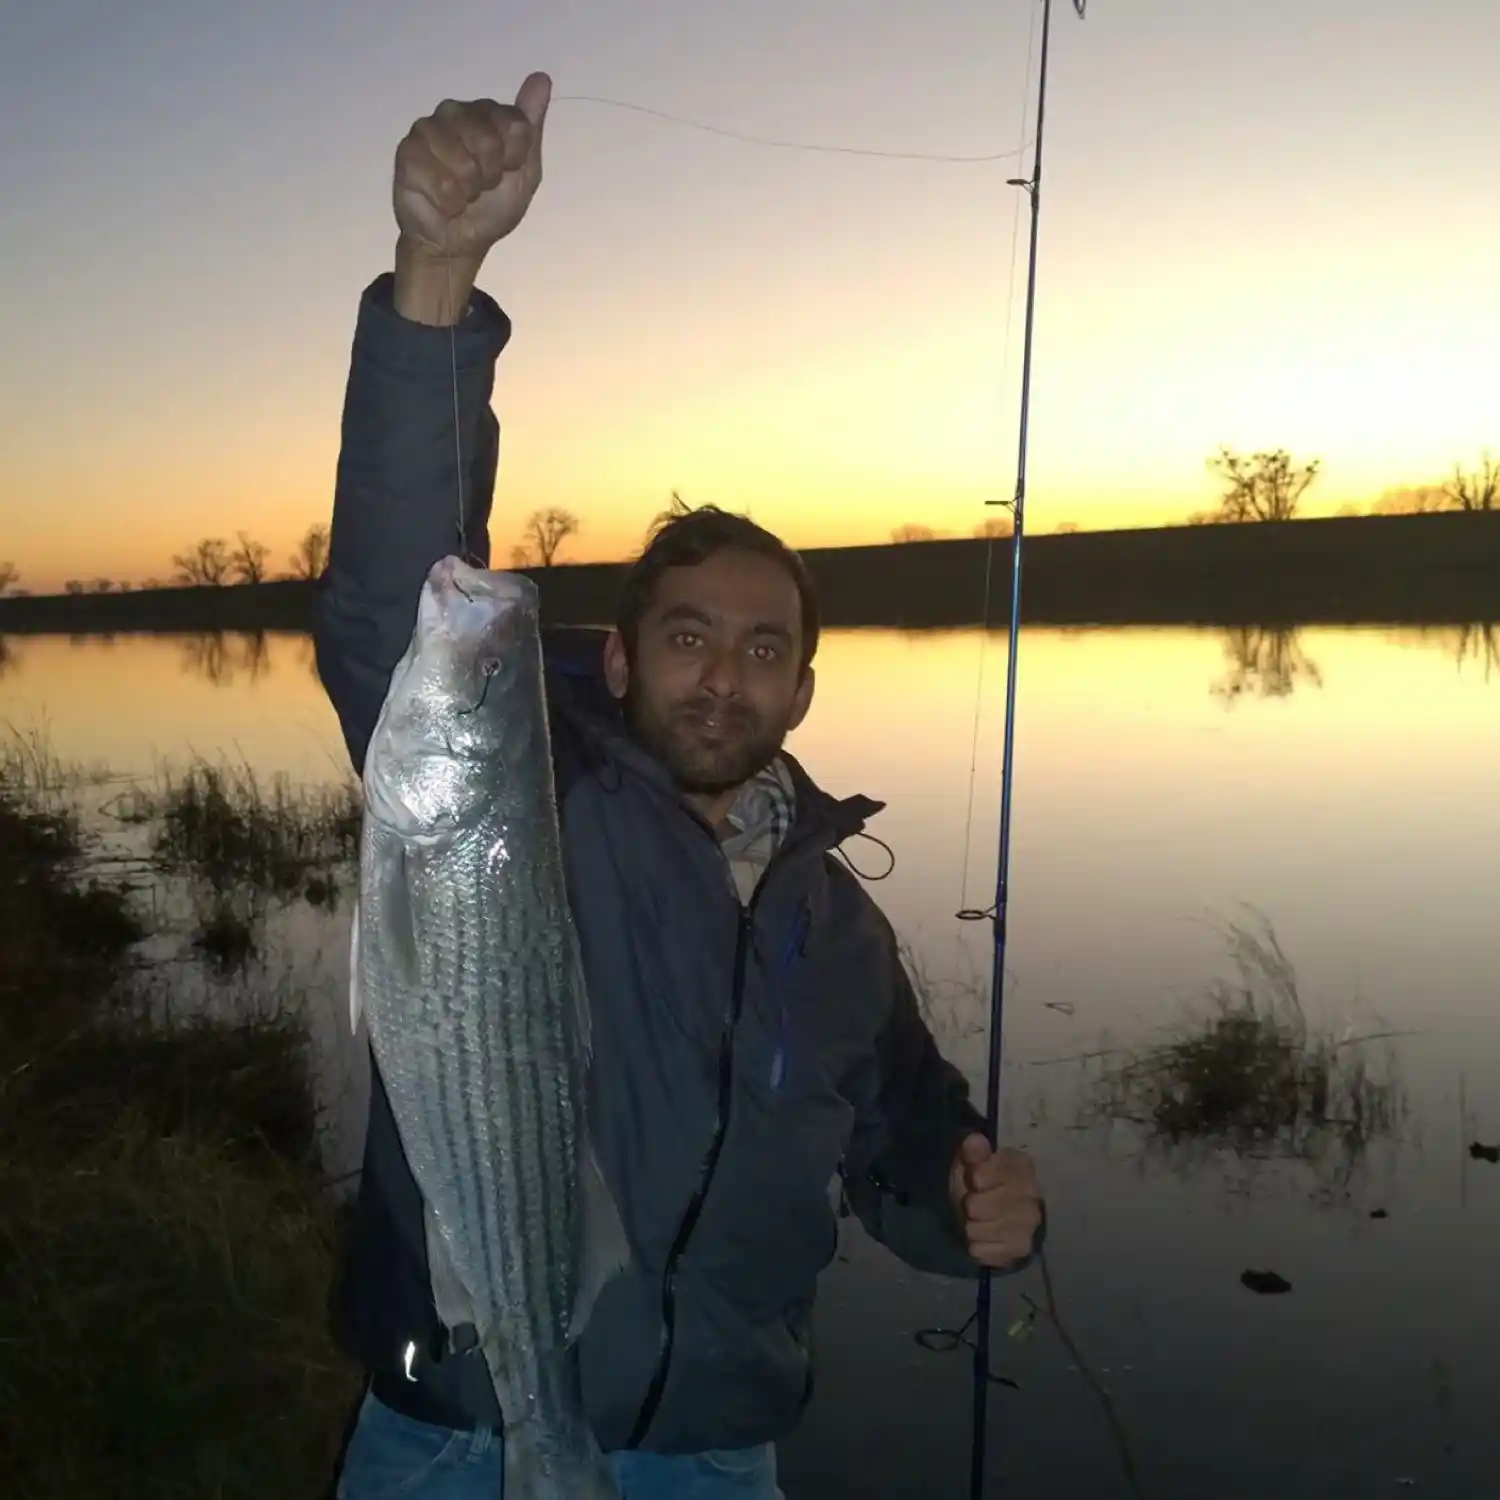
(393, 1457)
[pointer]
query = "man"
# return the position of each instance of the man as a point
(755, 1034)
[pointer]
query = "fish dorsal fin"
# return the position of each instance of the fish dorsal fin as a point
(604, 1247)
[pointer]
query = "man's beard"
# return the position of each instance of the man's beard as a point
(741, 746)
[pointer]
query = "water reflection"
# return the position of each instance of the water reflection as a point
(1265, 661)
(1251, 1128)
(222, 657)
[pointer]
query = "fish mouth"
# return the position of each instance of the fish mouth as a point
(451, 576)
(468, 605)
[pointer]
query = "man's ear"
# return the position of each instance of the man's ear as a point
(616, 668)
(803, 700)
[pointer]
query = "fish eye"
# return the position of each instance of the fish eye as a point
(490, 665)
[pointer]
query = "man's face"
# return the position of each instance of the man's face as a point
(715, 686)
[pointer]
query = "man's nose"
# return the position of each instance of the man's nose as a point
(721, 674)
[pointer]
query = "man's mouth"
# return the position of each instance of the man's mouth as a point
(716, 723)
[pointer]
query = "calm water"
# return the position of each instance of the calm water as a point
(1342, 783)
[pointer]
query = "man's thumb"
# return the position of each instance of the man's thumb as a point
(974, 1150)
(532, 99)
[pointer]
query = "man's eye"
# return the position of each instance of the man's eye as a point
(686, 639)
(766, 653)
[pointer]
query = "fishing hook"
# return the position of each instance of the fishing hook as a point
(490, 668)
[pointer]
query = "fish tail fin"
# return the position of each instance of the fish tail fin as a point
(541, 1466)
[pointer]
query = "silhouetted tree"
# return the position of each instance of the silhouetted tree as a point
(102, 586)
(1065, 528)
(249, 559)
(1263, 487)
(997, 528)
(913, 533)
(311, 556)
(73, 586)
(205, 565)
(1477, 491)
(546, 531)
(10, 576)
(520, 557)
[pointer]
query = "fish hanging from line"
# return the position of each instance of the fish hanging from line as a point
(466, 968)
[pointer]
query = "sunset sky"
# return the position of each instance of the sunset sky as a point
(1268, 225)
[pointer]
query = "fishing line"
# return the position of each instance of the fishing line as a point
(787, 145)
(465, 551)
(687, 123)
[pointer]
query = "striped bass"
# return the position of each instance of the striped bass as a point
(465, 965)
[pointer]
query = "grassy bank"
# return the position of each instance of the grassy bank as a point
(1432, 569)
(166, 1239)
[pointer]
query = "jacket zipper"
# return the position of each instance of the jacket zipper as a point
(744, 938)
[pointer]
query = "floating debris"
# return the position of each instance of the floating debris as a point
(1267, 1283)
(1484, 1153)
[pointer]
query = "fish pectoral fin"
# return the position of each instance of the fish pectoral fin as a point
(355, 996)
(400, 924)
(605, 1248)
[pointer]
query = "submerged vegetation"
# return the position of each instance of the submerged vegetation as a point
(167, 1240)
(1248, 1074)
(238, 847)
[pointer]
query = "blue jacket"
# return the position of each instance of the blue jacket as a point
(746, 1057)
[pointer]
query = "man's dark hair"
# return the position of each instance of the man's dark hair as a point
(690, 537)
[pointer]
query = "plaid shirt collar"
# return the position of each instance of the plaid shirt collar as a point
(759, 819)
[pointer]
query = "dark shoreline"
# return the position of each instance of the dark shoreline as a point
(1432, 569)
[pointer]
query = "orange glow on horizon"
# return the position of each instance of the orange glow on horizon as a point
(829, 342)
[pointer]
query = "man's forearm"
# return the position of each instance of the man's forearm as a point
(431, 290)
(395, 508)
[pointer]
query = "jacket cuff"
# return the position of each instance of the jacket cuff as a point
(383, 336)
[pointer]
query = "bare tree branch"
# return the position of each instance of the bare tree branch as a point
(1263, 487)
(311, 556)
(204, 565)
(249, 560)
(546, 531)
(1477, 491)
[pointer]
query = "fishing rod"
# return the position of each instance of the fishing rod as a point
(997, 913)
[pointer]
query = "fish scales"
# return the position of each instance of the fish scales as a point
(466, 967)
